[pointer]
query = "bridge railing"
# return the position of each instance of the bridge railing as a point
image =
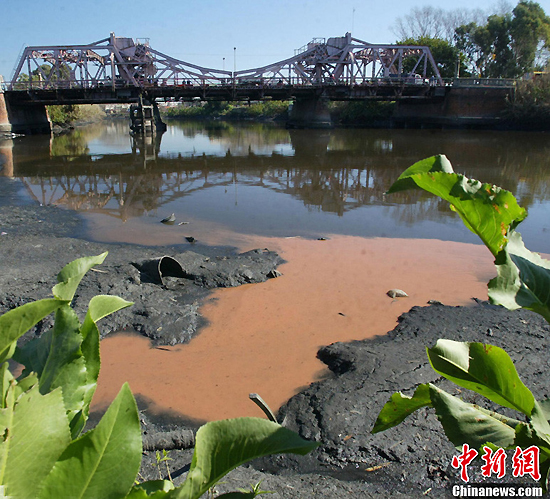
(484, 82)
(204, 82)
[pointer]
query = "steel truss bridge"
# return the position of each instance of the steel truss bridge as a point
(118, 69)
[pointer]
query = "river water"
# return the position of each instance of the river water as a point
(260, 185)
(265, 180)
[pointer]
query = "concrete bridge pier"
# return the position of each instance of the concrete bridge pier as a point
(309, 113)
(30, 118)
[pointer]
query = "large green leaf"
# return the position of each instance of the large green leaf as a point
(438, 163)
(57, 359)
(523, 279)
(100, 306)
(34, 354)
(37, 433)
(465, 423)
(223, 445)
(103, 462)
(70, 276)
(65, 367)
(485, 369)
(400, 406)
(487, 210)
(16, 322)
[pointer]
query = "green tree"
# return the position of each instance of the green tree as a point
(488, 48)
(506, 45)
(530, 28)
(444, 53)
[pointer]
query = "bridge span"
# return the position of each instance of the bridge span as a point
(126, 70)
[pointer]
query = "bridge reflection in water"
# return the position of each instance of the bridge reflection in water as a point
(266, 180)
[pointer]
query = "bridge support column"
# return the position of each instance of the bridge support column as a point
(28, 118)
(310, 113)
(145, 118)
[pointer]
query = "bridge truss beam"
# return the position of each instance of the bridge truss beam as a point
(123, 62)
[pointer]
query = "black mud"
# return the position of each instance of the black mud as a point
(411, 460)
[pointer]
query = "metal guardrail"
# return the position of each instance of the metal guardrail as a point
(484, 82)
(238, 82)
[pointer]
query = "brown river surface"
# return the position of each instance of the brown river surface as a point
(259, 185)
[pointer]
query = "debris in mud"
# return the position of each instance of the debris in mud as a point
(169, 220)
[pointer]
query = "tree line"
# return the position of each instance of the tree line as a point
(508, 43)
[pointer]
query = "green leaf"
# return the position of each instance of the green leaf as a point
(539, 420)
(57, 359)
(545, 408)
(523, 279)
(223, 445)
(527, 435)
(487, 210)
(5, 382)
(16, 322)
(8, 352)
(34, 354)
(465, 423)
(154, 489)
(100, 306)
(70, 276)
(25, 384)
(485, 369)
(65, 367)
(38, 432)
(438, 163)
(103, 462)
(400, 406)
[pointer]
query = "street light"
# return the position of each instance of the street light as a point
(224, 63)
(234, 59)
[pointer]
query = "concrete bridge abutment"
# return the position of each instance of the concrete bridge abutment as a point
(459, 107)
(27, 118)
(310, 113)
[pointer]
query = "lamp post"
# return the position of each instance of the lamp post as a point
(224, 63)
(234, 59)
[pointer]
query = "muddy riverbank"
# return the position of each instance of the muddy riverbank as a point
(339, 410)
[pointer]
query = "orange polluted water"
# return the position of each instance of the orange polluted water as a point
(264, 337)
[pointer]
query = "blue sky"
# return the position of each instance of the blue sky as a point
(203, 32)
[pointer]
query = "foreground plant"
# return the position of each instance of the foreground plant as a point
(523, 281)
(43, 412)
